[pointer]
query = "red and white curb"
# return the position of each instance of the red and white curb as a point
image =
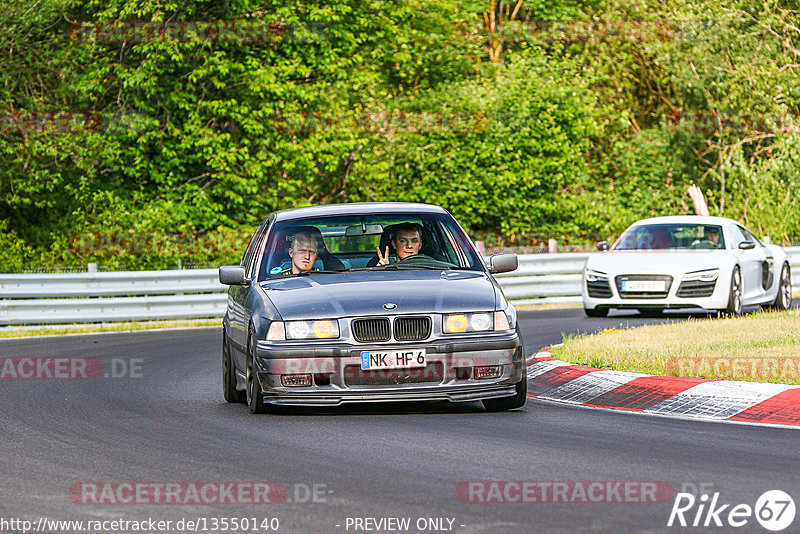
(718, 400)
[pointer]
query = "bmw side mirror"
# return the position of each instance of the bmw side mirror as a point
(603, 246)
(232, 275)
(503, 263)
(747, 245)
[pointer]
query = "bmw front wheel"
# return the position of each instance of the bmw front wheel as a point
(229, 390)
(509, 403)
(255, 398)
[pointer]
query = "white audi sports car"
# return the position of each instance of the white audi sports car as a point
(686, 262)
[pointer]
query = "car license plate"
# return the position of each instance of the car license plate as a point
(644, 285)
(392, 359)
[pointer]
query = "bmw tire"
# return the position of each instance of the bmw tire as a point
(229, 390)
(255, 398)
(517, 400)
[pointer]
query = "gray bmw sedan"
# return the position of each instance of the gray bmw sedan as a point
(368, 302)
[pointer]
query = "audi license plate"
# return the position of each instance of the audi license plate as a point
(644, 285)
(392, 359)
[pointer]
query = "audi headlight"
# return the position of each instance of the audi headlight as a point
(707, 275)
(595, 276)
(322, 329)
(458, 323)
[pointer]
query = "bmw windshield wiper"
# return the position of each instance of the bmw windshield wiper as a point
(400, 266)
(430, 267)
(307, 273)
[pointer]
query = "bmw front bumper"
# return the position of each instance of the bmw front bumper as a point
(338, 379)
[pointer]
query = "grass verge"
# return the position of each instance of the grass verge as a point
(60, 330)
(760, 347)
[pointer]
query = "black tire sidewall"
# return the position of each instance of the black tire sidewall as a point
(732, 309)
(786, 276)
(255, 401)
(229, 391)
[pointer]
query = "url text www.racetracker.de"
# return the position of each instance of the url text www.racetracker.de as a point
(95, 526)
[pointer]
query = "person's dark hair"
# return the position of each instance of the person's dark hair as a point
(407, 226)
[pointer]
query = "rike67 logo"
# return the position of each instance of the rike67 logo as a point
(774, 510)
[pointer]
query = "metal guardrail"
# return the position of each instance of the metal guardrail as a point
(116, 296)
(196, 293)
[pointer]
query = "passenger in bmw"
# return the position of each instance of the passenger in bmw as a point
(407, 241)
(303, 253)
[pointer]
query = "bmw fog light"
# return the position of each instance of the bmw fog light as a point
(487, 371)
(296, 380)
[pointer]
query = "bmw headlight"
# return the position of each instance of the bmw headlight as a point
(707, 275)
(321, 329)
(595, 276)
(458, 323)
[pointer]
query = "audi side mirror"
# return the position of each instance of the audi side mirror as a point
(602, 246)
(232, 275)
(503, 263)
(747, 245)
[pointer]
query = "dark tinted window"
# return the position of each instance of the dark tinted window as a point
(671, 236)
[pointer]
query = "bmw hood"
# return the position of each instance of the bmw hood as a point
(380, 292)
(656, 262)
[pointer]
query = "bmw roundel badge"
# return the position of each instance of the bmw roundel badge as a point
(389, 306)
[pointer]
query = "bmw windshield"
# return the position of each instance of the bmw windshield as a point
(366, 242)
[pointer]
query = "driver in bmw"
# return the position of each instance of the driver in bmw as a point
(407, 241)
(303, 253)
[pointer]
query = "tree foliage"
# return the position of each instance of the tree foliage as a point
(125, 121)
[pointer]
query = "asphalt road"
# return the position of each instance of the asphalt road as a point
(165, 421)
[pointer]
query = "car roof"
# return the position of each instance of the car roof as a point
(686, 219)
(357, 208)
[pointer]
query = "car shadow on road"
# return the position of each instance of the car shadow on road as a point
(384, 408)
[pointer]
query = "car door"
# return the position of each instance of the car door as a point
(767, 272)
(237, 297)
(751, 263)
